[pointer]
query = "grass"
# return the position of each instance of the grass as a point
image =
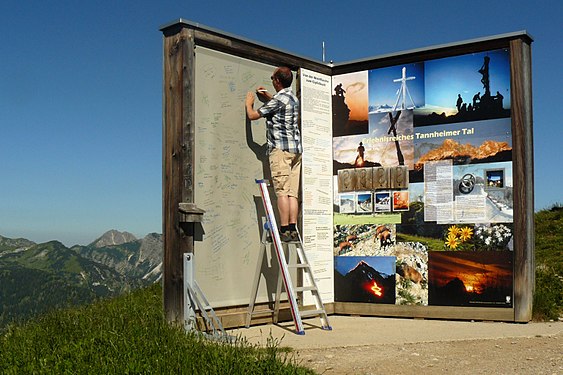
(548, 295)
(549, 237)
(129, 335)
(433, 244)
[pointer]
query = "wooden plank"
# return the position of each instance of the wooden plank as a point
(523, 174)
(256, 52)
(423, 55)
(430, 312)
(429, 53)
(233, 317)
(236, 317)
(238, 46)
(174, 149)
(188, 117)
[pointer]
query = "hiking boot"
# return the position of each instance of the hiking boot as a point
(294, 236)
(285, 236)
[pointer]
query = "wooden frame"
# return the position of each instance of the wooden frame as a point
(179, 40)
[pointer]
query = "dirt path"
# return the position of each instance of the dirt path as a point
(528, 355)
(371, 345)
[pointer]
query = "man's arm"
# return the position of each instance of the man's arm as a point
(250, 111)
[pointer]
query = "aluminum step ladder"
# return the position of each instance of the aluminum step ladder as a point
(195, 301)
(303, 269)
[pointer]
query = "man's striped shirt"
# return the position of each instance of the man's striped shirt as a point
(282, 122)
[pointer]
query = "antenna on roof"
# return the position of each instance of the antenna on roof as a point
(323, 51)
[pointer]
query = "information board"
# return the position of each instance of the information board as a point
(230, 153)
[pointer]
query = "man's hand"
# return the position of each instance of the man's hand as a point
(263, 94)
(250, 99)
(250, 111)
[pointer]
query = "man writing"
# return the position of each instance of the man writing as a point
(281, 112)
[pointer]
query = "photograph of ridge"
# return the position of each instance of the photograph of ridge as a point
(469, 87)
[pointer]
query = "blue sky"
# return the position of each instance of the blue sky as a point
(81, 93)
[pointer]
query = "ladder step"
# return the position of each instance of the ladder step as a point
(311, 313)
(305, 288)
(299, 265)
(269, 241)
(262, 312)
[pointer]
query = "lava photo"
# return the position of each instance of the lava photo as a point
(364, 279)
(470, 278)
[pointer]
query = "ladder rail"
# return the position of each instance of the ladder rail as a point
(212, 317)
(195, 300)
(254, 292)
(278, 299)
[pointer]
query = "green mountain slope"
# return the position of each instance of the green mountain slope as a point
(137, 259)
(41, 277)
(56, 258)
(29, 292)
(11, 244)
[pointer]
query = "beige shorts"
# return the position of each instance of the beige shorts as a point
(286, 171)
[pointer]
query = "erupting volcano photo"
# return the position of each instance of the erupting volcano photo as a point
(472, 278)
(364, 279)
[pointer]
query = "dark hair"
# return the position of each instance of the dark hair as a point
(284, 76)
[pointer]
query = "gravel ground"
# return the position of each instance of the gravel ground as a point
(371, 345)
(528, 355)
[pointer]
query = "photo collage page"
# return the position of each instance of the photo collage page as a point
(422, 169)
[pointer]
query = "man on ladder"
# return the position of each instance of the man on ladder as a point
(281, 112)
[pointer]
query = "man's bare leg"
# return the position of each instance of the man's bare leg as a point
(293, 210)
(284, 210)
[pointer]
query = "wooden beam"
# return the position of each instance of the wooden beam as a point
(427, 312)
(523, 176)
(178, 165)
(232, 317)
(235, 45)
(256, 52)
(430, 53)
(418, 56)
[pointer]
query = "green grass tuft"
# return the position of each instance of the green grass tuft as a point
(129, 335)
(548, 296)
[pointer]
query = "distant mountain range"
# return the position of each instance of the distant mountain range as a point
(35, 278)
(488, 151)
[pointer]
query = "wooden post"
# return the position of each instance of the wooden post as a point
(523, 175)
(178, 145)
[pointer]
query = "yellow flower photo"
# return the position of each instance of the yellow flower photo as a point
(465, 233)
(452, 241)
(454, 230)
